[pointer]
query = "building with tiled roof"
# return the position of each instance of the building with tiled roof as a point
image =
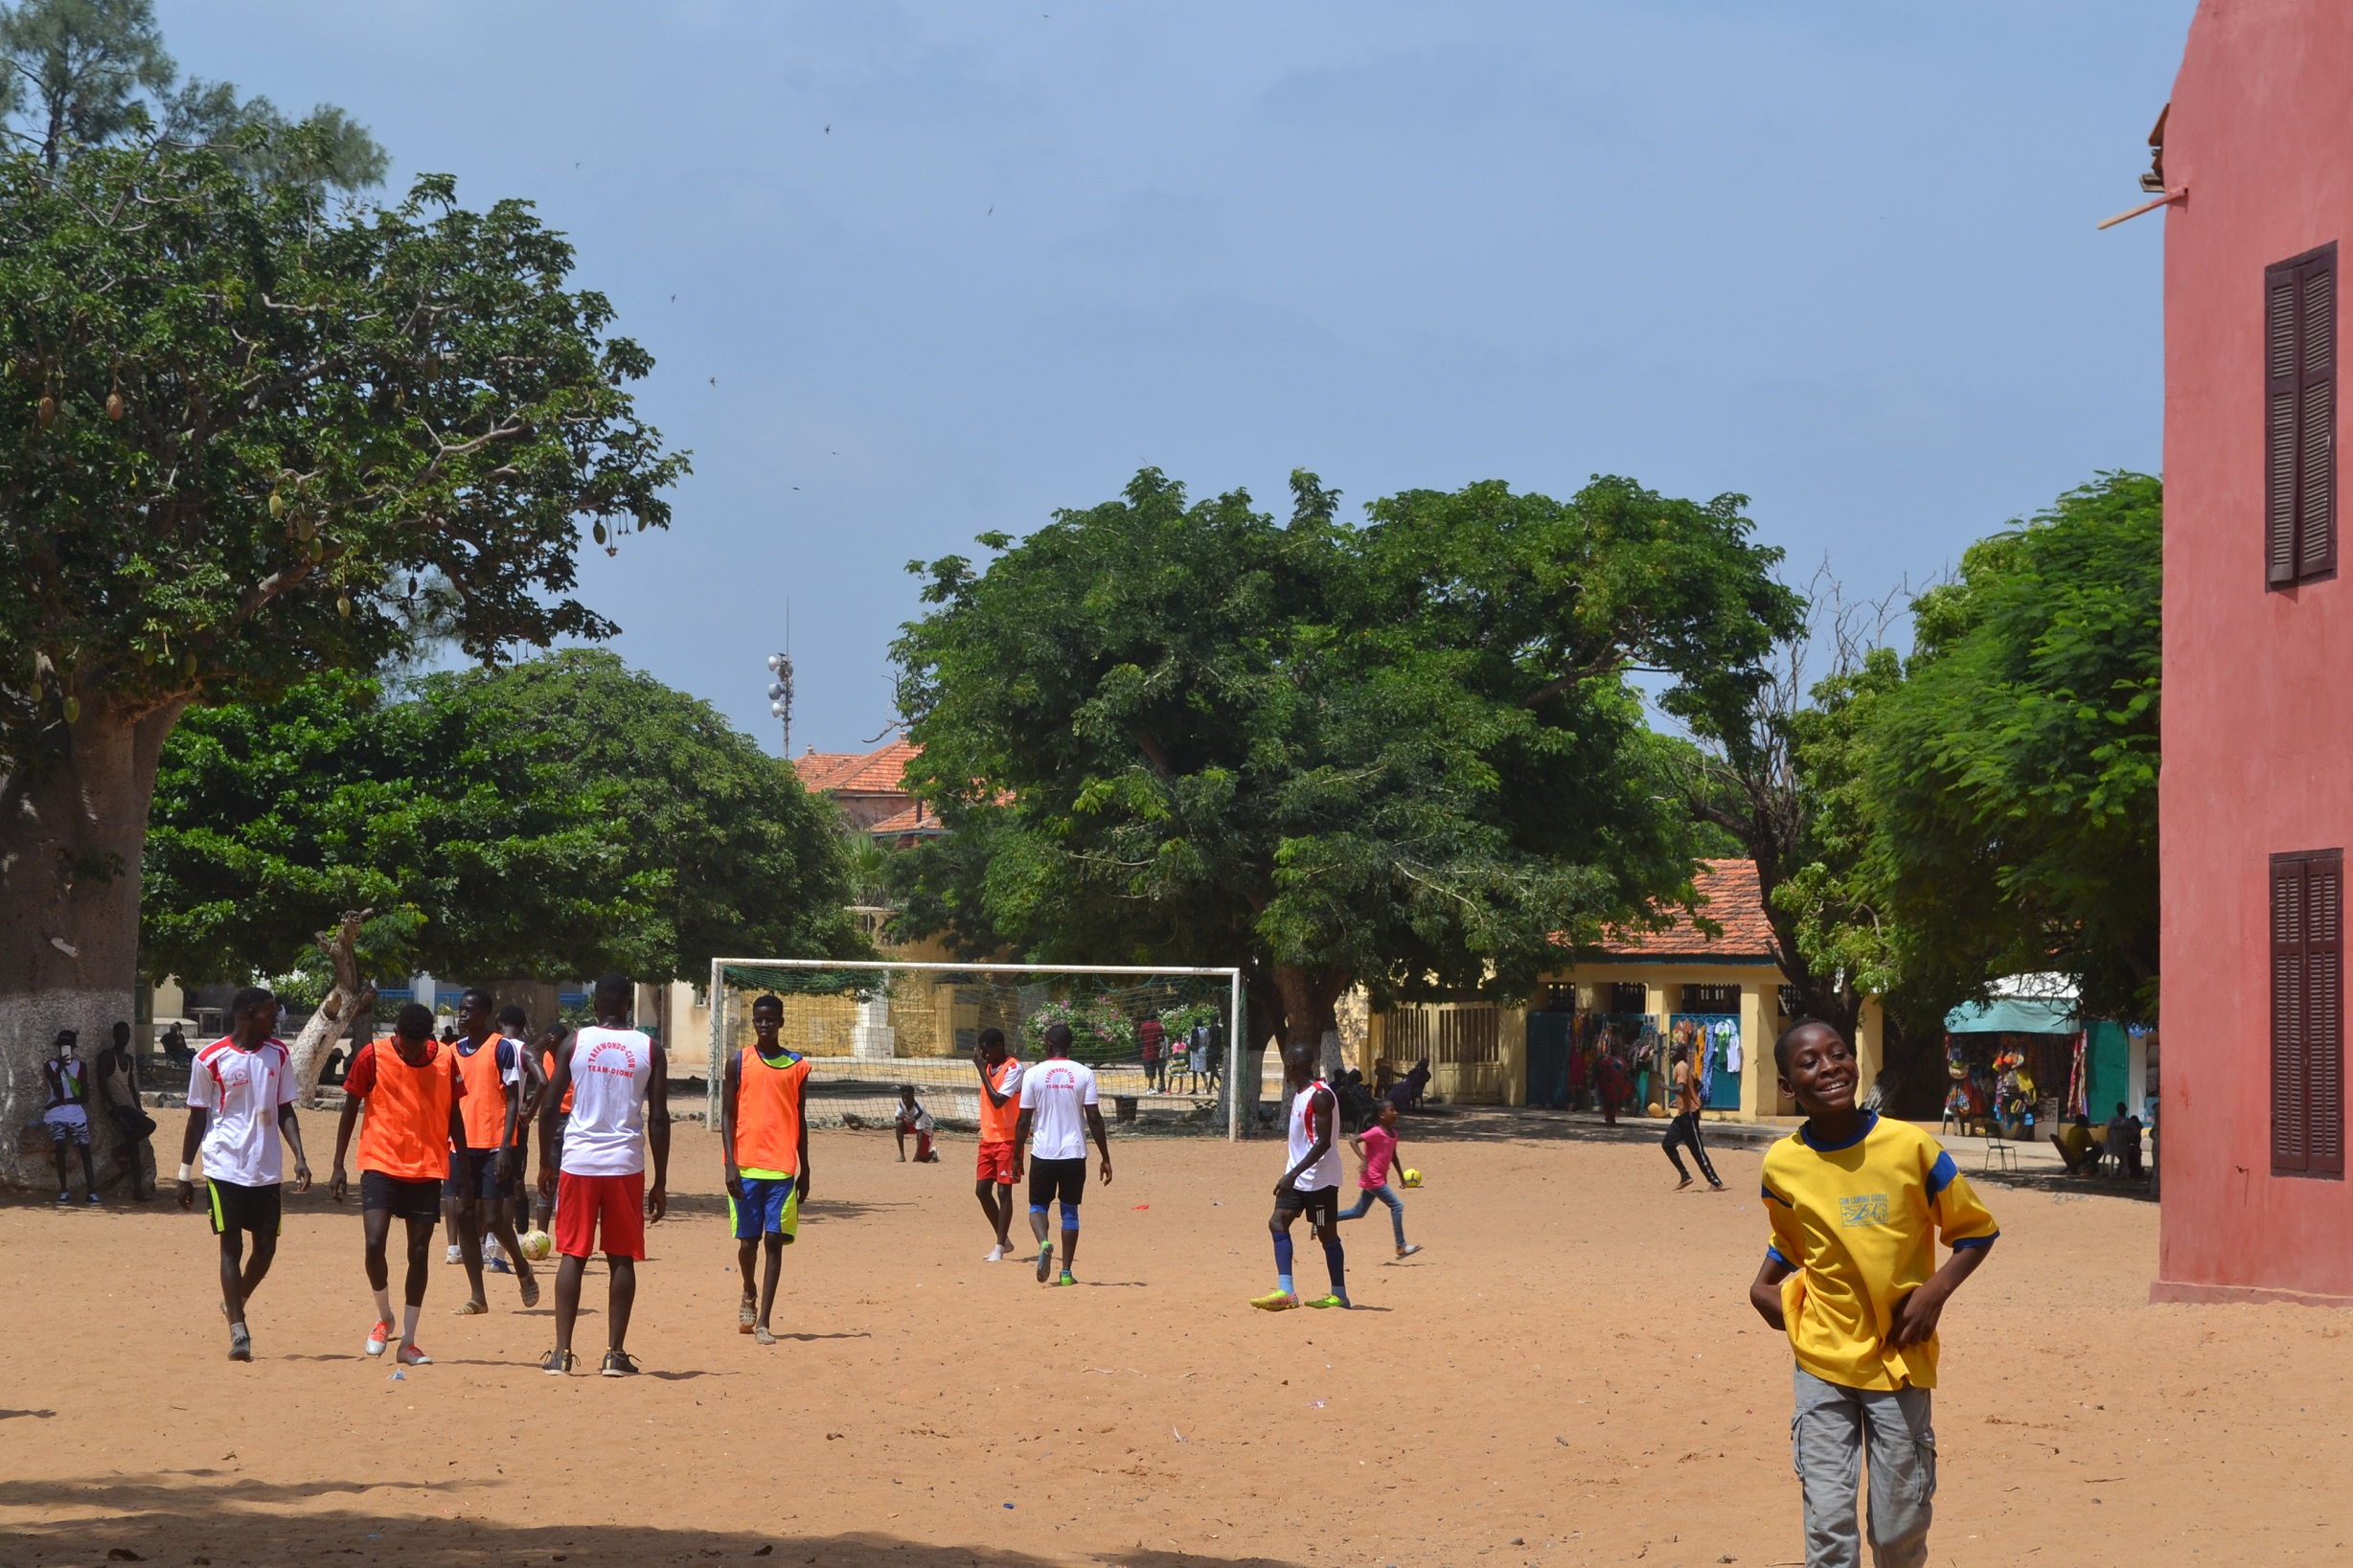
(870, 787)
(1644, 987)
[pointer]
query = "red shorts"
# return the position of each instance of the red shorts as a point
(997, 1163)
(615, 1204)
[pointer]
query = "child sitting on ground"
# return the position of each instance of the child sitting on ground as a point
(1858, 1202)
(913, 1118)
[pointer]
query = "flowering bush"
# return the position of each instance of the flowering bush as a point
(1099, 1032)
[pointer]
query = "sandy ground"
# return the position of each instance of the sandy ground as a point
(1569, 1374)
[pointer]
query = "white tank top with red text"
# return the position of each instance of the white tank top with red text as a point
(1325, 1172)
(605, 1133)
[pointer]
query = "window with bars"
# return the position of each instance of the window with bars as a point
(1711, 998)
(2299, 419)
(2308, 1013)
(1629, 996)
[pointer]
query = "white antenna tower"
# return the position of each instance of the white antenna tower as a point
(780, 688)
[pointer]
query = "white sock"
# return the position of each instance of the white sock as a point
(408, 1324)
(383, 1305)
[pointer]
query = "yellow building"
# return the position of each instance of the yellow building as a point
(1726, 986)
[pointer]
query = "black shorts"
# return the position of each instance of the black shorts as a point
(474, 1174)
(1321, 1206)
(1052, 1179)
(254, 1209)
(419, 1200)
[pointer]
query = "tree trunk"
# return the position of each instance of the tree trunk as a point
(71, 837)
(351, 995)
(1309, 1013)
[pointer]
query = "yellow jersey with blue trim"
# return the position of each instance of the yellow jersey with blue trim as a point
(1858, 1224)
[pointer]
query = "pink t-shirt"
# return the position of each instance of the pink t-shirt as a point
(1379, 1149)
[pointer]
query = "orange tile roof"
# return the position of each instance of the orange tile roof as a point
(915, 819)
(1729, 895)
(880, 772)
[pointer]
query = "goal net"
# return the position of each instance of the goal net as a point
(871, 1029)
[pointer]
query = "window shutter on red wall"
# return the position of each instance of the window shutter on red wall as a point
(2316, 453)
(2299, 419)
(2288, 1148)
(2307, 912)
(2324, 1014)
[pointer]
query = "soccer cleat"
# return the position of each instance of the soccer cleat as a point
(1341, 1302)
(1045, 1262)
(748, 1315)
(240, 1342)
(557, 1363)
(1409, 1249)
(618, 1364)
(1067, 1279)
(996, 1255)
(409, 1355)
(378, 1336)
(1275, 1301)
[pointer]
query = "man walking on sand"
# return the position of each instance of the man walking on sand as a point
(616, 1081)
(1058, 1108)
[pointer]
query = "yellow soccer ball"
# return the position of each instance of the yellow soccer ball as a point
(1412, 1177)
(536, 1245)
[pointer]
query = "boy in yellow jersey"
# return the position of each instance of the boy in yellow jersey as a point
(1858, 1203)
(764, 1126)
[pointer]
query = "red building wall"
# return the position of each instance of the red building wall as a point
(2258, 685)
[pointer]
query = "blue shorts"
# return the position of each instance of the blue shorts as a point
(474, 1174)
(770, 1206)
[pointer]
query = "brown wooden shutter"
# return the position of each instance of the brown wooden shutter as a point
(2288, 1144)
(2279, 423)
(2324, 1014)
(2315, 451)
(2299, 417)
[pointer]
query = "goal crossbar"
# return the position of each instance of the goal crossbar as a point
(1232, 976)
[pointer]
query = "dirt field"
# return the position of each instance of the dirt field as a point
(1569, 1374)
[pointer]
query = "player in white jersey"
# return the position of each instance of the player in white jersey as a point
(616, 1081)
(1312, 1182)
(1057, 1111)
(240, 1099)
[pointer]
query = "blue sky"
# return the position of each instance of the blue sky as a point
(941, 269)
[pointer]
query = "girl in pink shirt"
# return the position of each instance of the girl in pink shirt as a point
(1377, 1147)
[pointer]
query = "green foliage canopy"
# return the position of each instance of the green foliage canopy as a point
(1404, 753)
(561, 817)
(2012, 776)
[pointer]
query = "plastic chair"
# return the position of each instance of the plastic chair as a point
(1998, 1148)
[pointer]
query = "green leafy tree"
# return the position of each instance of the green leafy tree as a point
(2011, 778)
(81, 74)
(477, 849)
(1404, 753)
(242, 431)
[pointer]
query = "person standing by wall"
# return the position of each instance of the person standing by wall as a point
(118, 1090)
(67, 1118)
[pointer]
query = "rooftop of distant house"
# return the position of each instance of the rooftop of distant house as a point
(1728, 898)
(879, 772)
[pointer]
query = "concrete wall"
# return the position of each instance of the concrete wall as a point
(2261, 133)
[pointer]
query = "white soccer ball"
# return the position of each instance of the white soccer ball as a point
(536, 1245)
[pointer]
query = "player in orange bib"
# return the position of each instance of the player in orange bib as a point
(413, 1095)
(763, 1138)
(1000, 1117)
(481, 1175)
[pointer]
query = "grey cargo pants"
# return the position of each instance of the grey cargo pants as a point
(1829, 1433)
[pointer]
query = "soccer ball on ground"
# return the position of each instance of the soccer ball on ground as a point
(536, 1245)
(1412, 1176)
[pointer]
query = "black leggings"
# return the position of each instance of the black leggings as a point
(1685, 1129)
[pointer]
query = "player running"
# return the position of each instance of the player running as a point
(1312, 1183)
(240, 1102)
(1000, 1123)
(763, 1138)
(617, 1083)
(482, 1171)
(413, 1093)
(1054, 1095)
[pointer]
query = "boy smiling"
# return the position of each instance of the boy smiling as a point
(1858, 1202)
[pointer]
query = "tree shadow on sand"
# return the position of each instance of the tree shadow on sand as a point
(228, 1520)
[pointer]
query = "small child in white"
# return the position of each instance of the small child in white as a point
(913, 1118)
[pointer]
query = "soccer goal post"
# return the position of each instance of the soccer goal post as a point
(1163, 1039)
